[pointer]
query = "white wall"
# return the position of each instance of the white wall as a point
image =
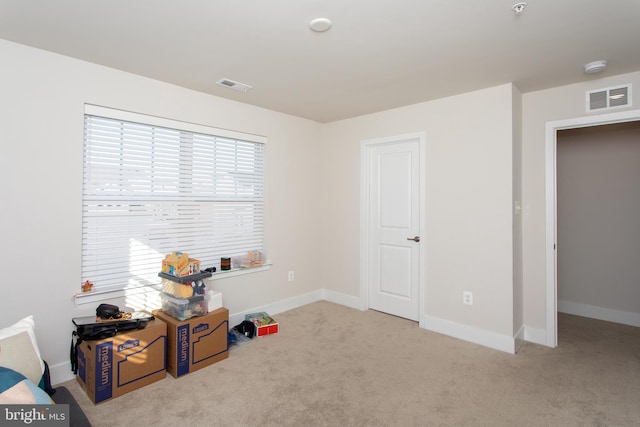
(469, 239)
(41, 133)
(566, 102)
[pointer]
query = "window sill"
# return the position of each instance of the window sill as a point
(106, 294)
(238, 272)
(102, 295)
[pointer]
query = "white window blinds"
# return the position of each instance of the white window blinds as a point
(150, 189)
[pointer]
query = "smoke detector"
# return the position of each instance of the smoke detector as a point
(518, 8)
(320, 25)
(595, 67)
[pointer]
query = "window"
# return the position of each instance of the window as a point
(152, 186)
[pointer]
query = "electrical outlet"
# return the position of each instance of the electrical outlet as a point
(467, 297)
(291, 276)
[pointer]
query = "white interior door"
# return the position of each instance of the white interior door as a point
(394, 225)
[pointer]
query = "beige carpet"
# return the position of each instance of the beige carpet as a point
(335, 366)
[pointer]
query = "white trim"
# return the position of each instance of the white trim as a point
(537, 336)
(365, 147)
(601, 313)
(364, 226)
(551, 129)
(342, 299)
(469, 333)
(518, 339)
(423, 229)
(277, 307)
(550, 235)
(220, 274)
(101, 295)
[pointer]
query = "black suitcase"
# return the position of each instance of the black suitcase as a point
(88, 328)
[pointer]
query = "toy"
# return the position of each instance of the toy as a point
(87, 287)
(198, 287)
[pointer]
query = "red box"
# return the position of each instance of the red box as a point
(265, 324)
(267, 329)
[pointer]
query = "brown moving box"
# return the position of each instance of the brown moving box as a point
(114, 366)
(196, 342)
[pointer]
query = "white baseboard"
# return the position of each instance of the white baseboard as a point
(61, 372)
(537, 336)
(600, 313)
(278, 306)
(469, 333)
(519, 338)
(343, 299)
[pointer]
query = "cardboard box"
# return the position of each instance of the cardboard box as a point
(111, 367)
(195, 343)
(265, 324)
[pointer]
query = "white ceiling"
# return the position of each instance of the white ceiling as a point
(378, 55)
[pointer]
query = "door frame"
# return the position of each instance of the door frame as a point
(365, 150)
(551, 256)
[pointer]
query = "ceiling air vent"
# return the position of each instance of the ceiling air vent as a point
(233, 85)
(606, 99)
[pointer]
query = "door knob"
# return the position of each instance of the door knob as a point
(415, 239)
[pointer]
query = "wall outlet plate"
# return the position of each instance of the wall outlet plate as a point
(467, 297)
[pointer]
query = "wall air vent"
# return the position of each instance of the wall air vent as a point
(609, 98)
(233, 85)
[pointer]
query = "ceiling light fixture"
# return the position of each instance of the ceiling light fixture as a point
(595, 67)
(518, 8)
(320, 25)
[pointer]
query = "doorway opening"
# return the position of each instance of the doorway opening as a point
(551, 237)
(598, 200)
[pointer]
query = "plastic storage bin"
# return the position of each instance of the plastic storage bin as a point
(185, 308)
